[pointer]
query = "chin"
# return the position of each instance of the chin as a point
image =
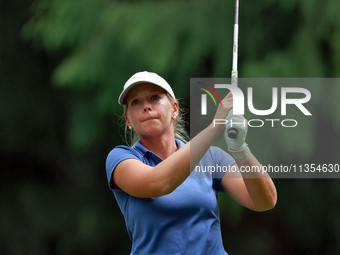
(153, 132)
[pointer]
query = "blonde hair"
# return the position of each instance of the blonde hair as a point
(131, 136)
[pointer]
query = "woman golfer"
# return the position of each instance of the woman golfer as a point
(165, 210)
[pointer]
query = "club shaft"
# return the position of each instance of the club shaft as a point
(234, 72)
(232, 132)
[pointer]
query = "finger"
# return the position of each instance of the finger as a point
(229, 95)
(228, 99)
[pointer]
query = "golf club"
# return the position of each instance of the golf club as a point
(232, 132)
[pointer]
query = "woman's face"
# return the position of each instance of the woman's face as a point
(149, 111)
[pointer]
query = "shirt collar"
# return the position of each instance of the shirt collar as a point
(139, 147)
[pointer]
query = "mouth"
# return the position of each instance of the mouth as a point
(149, 118)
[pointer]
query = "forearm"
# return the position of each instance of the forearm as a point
(260, 186)
(258, 192)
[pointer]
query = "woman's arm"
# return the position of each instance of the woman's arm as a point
(141, 180)
(253, 189)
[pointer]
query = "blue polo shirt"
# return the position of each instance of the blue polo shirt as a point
(185, 221)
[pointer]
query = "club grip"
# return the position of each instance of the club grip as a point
(232, 133)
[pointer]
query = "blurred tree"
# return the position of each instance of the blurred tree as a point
(107, 41)
(52, 198)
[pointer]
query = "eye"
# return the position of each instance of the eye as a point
(155, 97)
(134, 102)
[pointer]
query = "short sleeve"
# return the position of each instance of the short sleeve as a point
(117, 155)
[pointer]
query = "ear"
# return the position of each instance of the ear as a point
(175, 109)
(128, 121)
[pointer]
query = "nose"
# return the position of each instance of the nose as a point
(147, 107)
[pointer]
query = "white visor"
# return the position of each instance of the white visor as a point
(144, 77)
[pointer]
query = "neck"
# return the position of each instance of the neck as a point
(162, 146)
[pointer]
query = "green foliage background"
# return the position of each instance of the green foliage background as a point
(62, 66)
